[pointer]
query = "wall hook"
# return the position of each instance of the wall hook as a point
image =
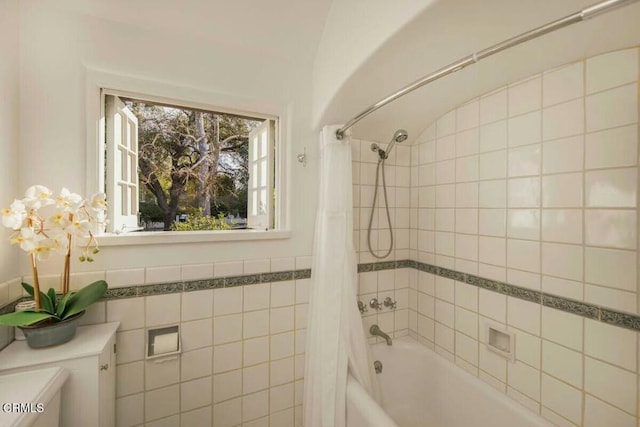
(302, 157)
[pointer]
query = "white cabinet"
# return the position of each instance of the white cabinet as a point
(88, 396)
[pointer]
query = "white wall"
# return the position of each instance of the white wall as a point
(9, 133)
(58, 45)
(353, 31)
(8, 127)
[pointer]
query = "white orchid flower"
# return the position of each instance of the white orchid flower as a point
(43, 249)
(79, 227)
(98, 201)
(57, 241)
(68, 201)
(37, 196)
(14, 215)
(28, 239)
(58, 221)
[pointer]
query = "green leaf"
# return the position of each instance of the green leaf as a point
(52, 297)
(24, 318)
(63, 303)
(45, 302)
(27, 287)
(84, 298)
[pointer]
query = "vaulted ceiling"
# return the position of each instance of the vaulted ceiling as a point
(449, 30)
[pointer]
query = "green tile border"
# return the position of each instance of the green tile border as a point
(590, 311)
(190, 286)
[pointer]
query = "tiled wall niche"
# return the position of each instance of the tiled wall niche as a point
(535, 184)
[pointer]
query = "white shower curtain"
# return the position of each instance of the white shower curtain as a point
(336, 341)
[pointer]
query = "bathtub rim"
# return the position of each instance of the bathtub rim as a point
(441, 362)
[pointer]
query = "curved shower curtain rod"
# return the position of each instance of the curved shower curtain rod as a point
(574, 18)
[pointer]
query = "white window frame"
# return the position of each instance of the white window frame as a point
(99, 84)
(261, 153)
(121, 182)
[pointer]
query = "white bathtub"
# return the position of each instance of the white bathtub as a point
(422, 389)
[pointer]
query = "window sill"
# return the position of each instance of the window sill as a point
(169, 237)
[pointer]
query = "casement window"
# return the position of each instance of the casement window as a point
(260, 189)
(208, 158)
(122, 166)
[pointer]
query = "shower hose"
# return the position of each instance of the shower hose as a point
(386, 205)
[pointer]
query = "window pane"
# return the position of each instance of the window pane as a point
(123, 199)
(254, 176)
(117, 125)
(254, 208)
(125, 165)
(127, 136)
(263, 173)
(134, 137)
(133, 167)
(263, 143)
(118, 165)
(133, 197)
(254, 150)
(263, 202)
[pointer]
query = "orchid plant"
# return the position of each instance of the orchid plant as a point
(47, 224)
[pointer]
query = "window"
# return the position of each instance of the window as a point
(179, 167)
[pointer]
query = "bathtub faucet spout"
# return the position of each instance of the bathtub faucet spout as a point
(375, 330)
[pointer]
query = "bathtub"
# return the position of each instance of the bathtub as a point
(422, 389)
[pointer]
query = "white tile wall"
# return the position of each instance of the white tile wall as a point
(555, 367)
(398, 177)
(237, 364)
(555, 210)
(558, 178)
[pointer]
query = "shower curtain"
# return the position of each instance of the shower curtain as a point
(336, 341)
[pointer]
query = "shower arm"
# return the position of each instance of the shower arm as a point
(574, 18)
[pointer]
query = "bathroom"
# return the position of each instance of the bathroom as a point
(508, 174)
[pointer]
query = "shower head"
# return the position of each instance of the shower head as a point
(400, 135)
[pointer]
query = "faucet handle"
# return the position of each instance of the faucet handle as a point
(362, 307)
(388, 302)
(374, 303)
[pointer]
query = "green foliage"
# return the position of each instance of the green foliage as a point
(180, 168)
(198, 221)
(54, 308)
(151, 212)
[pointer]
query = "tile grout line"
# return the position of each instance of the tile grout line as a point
(540, 228)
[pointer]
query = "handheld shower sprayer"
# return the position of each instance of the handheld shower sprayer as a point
(399, 136)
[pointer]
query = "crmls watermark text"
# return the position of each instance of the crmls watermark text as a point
(22, 407)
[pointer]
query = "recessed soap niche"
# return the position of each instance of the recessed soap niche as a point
(501, 341)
